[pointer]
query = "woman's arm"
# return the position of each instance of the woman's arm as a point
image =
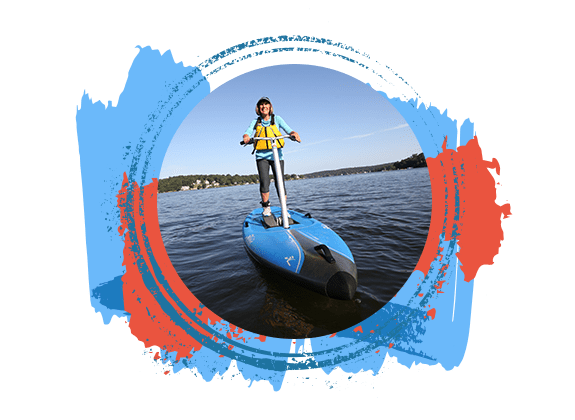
(283, 125)
(296, 135)
(249, 131)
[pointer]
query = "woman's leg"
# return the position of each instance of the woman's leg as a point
(264, 174)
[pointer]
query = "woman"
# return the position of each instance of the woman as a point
(267, 125)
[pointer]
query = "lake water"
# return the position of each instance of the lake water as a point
(383, 217)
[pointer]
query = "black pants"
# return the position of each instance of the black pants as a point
(264, 173)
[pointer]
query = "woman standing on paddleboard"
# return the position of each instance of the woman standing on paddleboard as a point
(267, 125)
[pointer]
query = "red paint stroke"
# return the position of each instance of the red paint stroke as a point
(157, 356)
(377, 352)
(148, 322)
(358, 328)
(262, 338)
(166, 372)
(431, 313)
(390, 345)
(333, 335)
(479, 231)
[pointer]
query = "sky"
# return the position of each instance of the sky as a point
(342, 123)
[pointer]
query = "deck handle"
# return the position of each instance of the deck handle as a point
(325, 252)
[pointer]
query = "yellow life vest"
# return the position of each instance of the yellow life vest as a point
(270, 131)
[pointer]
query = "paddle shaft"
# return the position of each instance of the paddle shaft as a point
(278, 174)
(280, 185)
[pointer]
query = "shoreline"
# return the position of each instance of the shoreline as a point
(292, 179)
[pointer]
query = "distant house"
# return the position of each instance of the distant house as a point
(185, 188)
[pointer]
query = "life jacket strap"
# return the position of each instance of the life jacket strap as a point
(258, 122)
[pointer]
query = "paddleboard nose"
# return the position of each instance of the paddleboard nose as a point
(341, 285)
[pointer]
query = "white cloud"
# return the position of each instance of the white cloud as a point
(299, 149)
(360, 136)
(397, 127)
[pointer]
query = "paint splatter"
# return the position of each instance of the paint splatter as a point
(464, 208)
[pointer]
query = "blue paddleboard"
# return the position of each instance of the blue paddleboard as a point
(308, 253)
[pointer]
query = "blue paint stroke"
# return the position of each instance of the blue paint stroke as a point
(133, 138)
(110, 294)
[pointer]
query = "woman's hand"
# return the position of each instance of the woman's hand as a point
(296, 136)
(246, 139)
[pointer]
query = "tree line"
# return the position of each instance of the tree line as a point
(198, 182)
(175, 183)
(414, 161)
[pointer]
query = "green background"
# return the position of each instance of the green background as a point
(504, 66)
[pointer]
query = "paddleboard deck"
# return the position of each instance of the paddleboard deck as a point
(308, 253)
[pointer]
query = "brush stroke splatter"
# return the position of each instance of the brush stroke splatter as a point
(130, 274)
